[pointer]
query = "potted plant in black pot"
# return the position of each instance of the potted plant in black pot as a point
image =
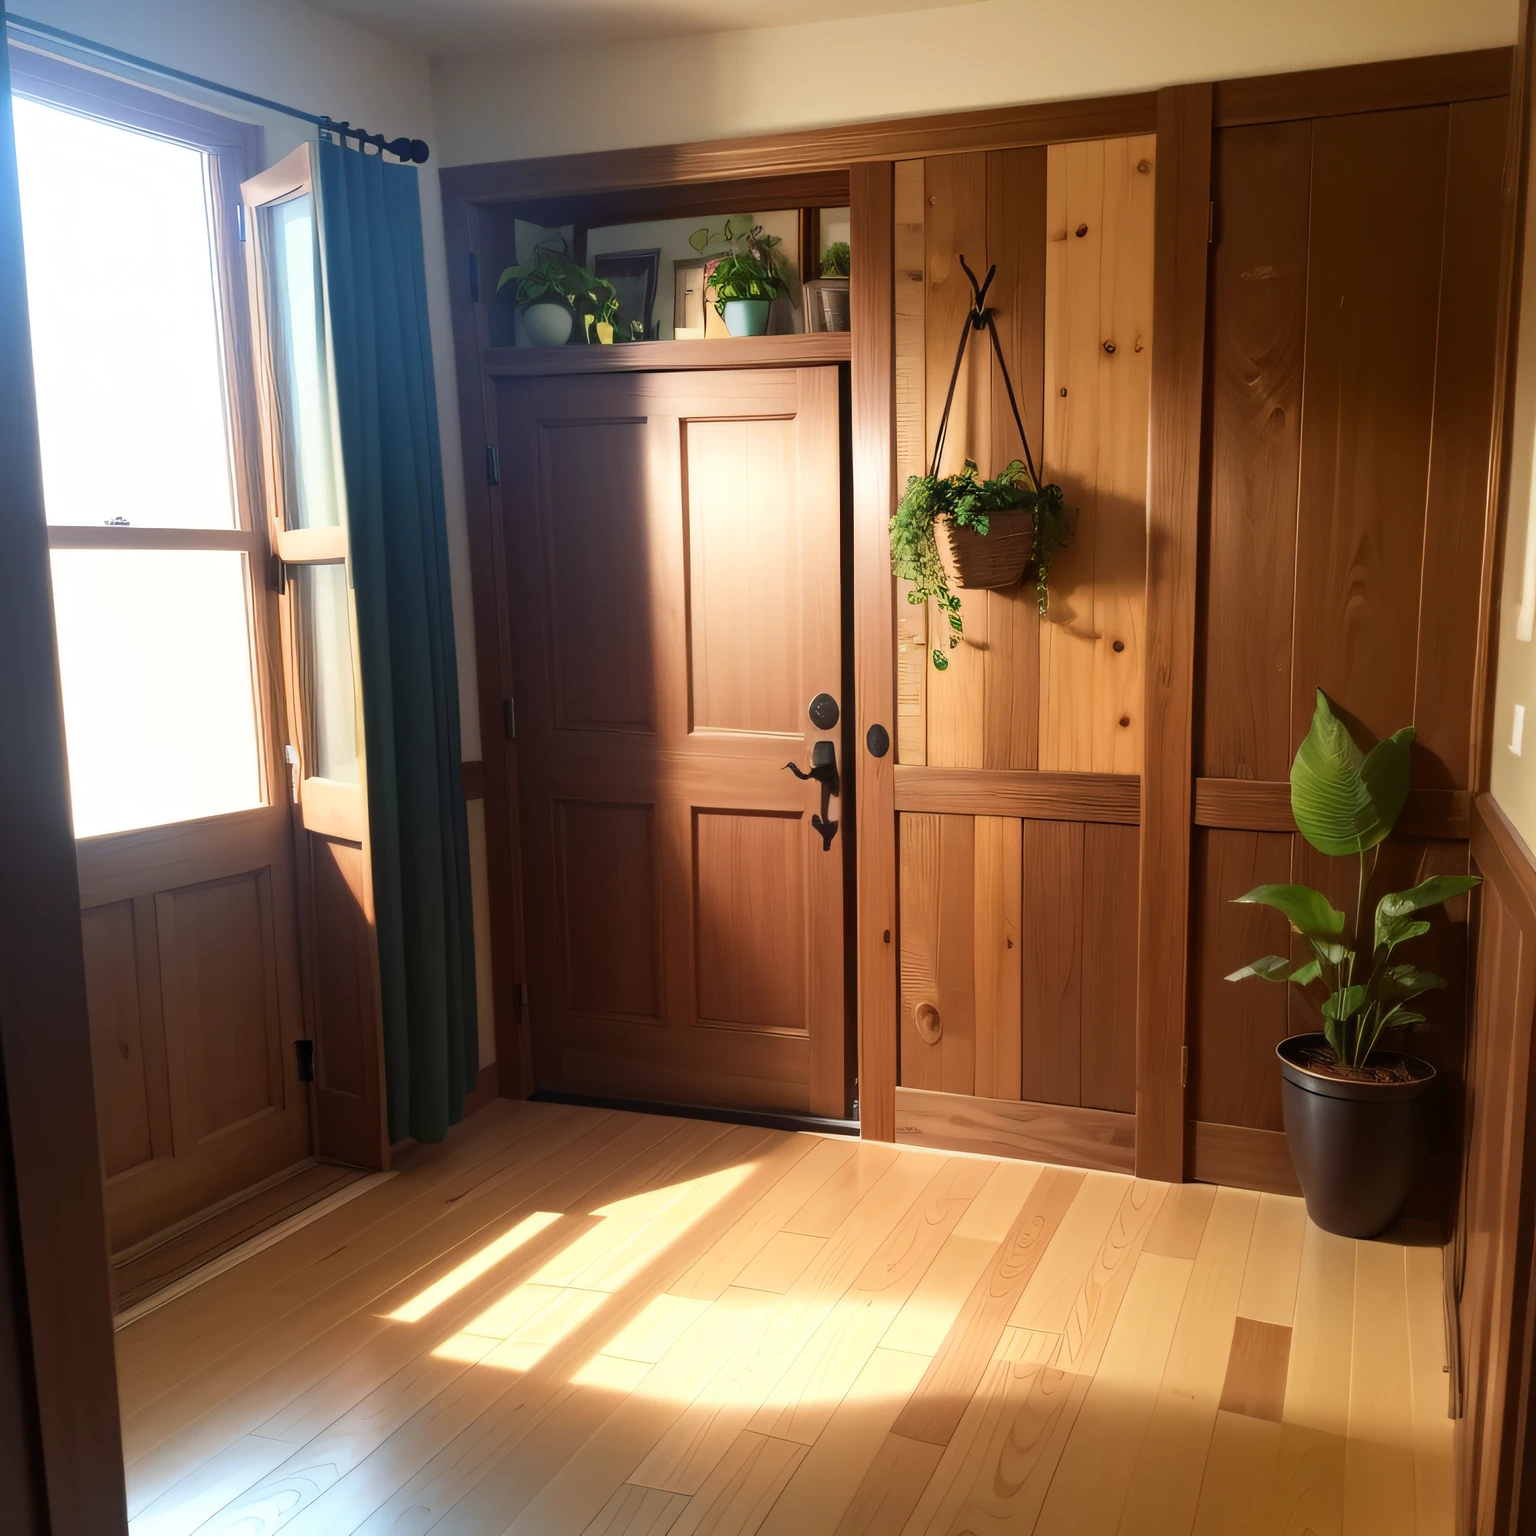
(1352, 1101)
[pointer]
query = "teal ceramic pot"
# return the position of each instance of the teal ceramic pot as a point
(548, 325)
(746, 317)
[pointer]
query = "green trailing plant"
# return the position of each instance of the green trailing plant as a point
(835, 259)
(1346, 803)
(752, 266)
(551, 277)
(969, 500)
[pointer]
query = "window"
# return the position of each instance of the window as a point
(129, 224)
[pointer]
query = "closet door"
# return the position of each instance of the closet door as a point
(673, 560)
(306, 513)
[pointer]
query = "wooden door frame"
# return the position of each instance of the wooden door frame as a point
(678, 179)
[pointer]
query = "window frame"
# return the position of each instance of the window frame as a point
(232, 150)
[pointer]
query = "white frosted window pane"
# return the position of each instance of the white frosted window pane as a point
(296, 322)
(155, 660)
(325, 631)
(126, 343)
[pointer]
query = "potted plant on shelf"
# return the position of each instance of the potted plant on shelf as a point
(1351, 1104)
(551, 290)
(832, 288)
(746, 277)
(962, 531)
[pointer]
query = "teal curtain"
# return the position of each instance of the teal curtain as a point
(392, 465)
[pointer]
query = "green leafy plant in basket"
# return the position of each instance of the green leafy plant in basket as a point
(968, 499)
(1346, 803)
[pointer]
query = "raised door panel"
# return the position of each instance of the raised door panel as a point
(594, 524)
(1051, 1052)
(744, 551)
(346, 1014)
(218, 969)
(750, 950)
(610, 921)
(126, 1105)
(1111, 861)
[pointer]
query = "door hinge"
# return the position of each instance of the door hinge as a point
(240, 221)
(1184, 1066)
(474, 278)
(492, 465)
(1210, 224)
(291, 757)
(304, 1053)
(509, 718)
(277, 574)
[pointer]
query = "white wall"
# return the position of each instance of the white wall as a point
(288, 53)
(508, 105)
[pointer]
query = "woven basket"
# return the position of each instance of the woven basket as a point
(996, 560)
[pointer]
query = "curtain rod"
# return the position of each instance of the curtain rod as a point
(413, 151)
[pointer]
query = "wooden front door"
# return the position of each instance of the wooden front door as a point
(673, 567)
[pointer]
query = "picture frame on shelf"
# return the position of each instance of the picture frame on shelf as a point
(634, 275)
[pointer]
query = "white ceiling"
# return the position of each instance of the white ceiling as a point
(449, 28)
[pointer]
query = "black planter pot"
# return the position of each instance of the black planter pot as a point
(1357, 1146)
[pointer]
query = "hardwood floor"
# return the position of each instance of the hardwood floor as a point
(572, 1321)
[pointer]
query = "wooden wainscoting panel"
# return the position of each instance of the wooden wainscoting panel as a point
(1234, 1026)
(1108, 1035)
(1459, 466)
(1047, 1133)
(938, 955)
(1261, 178)
(997, 933)
(1051, 1053)
(1262, 805)
(1241, 1156)
(1369, 382)
(1098, 359)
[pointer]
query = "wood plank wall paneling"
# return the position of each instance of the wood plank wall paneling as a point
(1098, 372)
(1173, 507)
(1354, 269)
(1490, 1255)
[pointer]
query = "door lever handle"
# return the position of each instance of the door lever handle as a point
(828, 830)
(823, 767)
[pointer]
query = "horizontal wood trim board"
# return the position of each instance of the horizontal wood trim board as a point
(813, 149)
(1242, 1157)
(472, 771)
(1392, 84)
(1254, 805)
(1047, 1133)
(822, 347)
(643, 205)
(1099, 797)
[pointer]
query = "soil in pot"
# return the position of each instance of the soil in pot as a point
(1356, 1134)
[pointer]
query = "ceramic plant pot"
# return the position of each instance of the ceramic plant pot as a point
(746, 317)
(548, 324)
(833, 293)
(1357, 1145)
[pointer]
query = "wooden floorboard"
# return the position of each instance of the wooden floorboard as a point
(570, 1322)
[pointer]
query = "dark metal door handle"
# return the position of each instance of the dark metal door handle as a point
(824, 771)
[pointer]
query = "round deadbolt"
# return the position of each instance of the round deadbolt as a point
(878, 740)
(823, 711)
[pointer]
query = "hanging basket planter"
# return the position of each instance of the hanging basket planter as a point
(959, 531)
(989, 561)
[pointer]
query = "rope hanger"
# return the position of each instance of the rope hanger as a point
(980, 317)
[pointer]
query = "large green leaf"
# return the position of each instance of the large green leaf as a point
(1344, 1004)
(1345, 802)
(1270, 968)
(1402, 982)
(1309, 911)
(1305, 975)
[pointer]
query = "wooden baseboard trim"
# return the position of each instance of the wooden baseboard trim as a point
(1042, 1133)
(1100, 797)
(487, 1090)
(1240, 1156)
